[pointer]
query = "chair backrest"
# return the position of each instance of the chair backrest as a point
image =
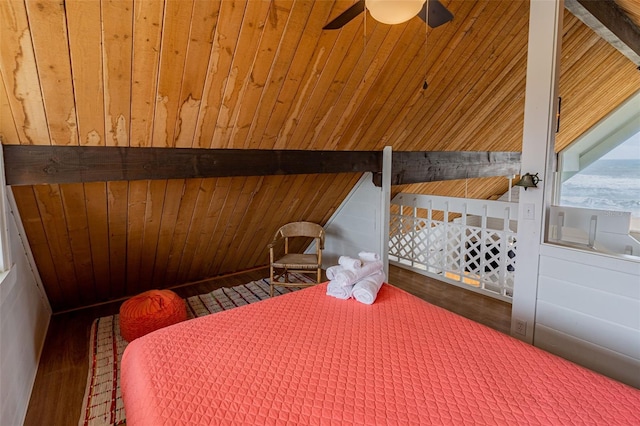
(302, 229)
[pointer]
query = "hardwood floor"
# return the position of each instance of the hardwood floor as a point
(483, 309)
(62, 373)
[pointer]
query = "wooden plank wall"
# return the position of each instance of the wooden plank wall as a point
(97, 241)
(255, 74)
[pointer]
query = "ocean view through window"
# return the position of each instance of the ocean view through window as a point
(610, 183)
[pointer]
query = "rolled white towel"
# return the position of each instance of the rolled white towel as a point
(339, 291)
(367, 256)
(366, 290)
(350, 263)
(347, 277)
(332, 271)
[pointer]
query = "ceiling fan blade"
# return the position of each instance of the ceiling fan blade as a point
(438, 14)
(346, 16)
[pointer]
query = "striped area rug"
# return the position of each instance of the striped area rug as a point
(102, 403)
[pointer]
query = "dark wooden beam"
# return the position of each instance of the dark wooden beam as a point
(611, 23)
(36, 164)
(416, 167)
(31, 164)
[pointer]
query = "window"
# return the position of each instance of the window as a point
(601, 170)
(597, 188)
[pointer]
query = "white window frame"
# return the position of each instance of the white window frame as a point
(613, 130)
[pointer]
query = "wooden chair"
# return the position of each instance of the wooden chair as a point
(283, 262)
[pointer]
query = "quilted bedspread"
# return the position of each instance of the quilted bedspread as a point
(306, 358)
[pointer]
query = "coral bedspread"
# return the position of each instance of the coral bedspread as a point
(306, 358)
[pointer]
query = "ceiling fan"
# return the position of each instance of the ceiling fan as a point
(395, 12)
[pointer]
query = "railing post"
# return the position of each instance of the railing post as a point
(504, 251)
(430, 228)
(445, 250)
(463, 242)
(483, 247)
(414, 234)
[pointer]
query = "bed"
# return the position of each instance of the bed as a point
(307, 358)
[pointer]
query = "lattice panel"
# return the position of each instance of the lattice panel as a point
(480, 257)
(401, 236)
(472, 249)
(434, 258)
(453, 254)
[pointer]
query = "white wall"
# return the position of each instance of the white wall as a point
(588, 311)
(24, 318)
(356, 225)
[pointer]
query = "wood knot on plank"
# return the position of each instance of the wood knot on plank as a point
(50, 169)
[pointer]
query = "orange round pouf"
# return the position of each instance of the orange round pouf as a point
(150, 311)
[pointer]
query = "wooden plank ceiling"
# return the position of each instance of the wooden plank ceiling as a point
(254, 75)
(632, 8)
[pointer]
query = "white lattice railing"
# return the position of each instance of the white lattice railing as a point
(470, 243)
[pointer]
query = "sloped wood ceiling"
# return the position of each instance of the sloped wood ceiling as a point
(254, 74)
(631, 8)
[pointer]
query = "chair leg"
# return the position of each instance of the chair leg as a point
(271, 282)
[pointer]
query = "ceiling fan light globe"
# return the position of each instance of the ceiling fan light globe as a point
(394, 11)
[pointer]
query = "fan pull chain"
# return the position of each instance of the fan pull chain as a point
(425, 85)
(364, 48)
